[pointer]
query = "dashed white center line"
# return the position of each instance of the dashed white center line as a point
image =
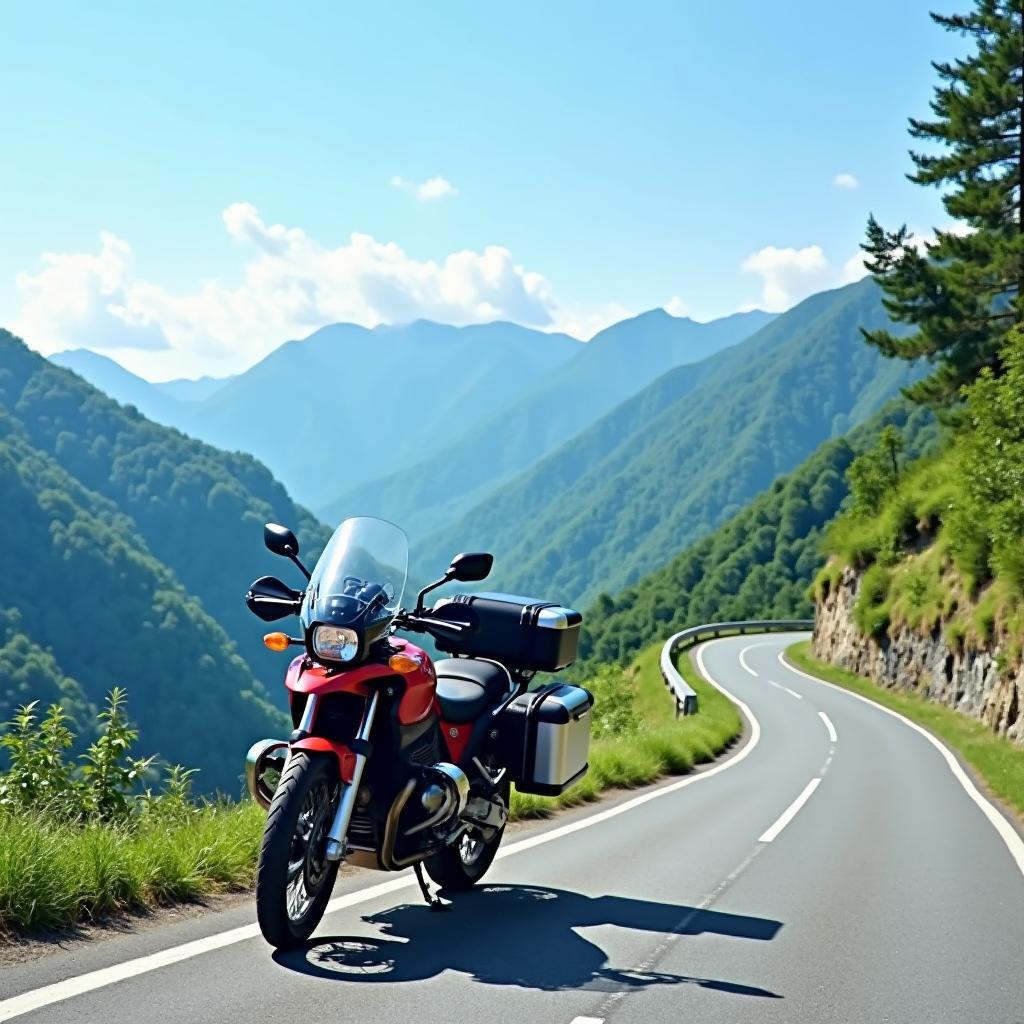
(779, 686)
(587, 1020)
(828, 725)
(790, 812)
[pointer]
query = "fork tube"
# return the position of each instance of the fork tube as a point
(339, 827)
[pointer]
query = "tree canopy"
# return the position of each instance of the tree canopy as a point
(962, 291)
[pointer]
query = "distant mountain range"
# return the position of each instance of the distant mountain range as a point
(347, 403)
(339, 416)
(669, 464)
(614, 365)
(160, 402)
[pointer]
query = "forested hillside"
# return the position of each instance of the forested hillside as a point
(670, 464)
(477, 455)
(128, 548)
(758, 564)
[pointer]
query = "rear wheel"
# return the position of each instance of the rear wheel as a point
(462, 865)
(293, 877)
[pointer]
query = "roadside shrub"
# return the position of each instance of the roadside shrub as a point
(614, 689)
(871, 609)
(39, 777)
(104, 786)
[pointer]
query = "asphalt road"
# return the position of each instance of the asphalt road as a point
(834, 869)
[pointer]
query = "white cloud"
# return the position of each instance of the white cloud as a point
(854, 269)
(291, 285)
(676, 307)
(788, 275)
(585, 321)
(83, 297)
(845, 180)
(426, 191)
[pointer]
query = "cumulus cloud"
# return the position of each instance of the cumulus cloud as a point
(85, 297)
(845, 180)
(426, 191)
(291, 285)
(788, 275)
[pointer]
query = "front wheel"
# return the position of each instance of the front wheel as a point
(463, 865)
(294, 879)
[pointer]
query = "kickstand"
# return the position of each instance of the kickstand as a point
(432, 901)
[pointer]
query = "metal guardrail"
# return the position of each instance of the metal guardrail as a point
(684, 694)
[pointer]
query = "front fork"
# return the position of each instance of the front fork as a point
(335, 849)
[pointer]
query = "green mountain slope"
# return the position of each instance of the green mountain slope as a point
(617, 363)
(199, 510)
(88, 607)
(133, 550)
(670, 464)
(758, 564)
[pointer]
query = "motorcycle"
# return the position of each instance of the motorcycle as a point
(396, 760)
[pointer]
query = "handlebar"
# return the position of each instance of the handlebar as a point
(422, 624)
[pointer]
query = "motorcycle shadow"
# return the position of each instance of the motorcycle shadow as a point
(524, 936)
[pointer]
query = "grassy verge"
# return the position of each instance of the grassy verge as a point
(55, 875)
(996, 760)
(662, 746)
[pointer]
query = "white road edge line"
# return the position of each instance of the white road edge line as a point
(89, 982)
(1007, 832)
(743, 659)
(828, 725)
(790, 812)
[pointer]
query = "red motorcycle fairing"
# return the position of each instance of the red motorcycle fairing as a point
(418, 700)
(321, 745)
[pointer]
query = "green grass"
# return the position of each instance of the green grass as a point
(55, 875)
(997, 761)
(662, 746)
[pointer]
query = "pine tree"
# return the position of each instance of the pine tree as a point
(964, 291)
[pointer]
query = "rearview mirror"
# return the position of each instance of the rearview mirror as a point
(471, 566)
(270, 599)
(280, 540)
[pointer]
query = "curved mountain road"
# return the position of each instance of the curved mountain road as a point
(832, 869)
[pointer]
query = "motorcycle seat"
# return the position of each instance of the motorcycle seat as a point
(466, 687)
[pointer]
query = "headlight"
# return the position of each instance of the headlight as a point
(335, 643)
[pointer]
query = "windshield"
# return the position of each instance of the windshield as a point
(360, 576)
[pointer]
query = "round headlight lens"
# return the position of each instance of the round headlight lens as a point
(335, 643)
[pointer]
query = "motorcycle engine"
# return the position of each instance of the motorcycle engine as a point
(445, 797)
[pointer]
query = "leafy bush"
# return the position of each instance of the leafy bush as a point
(876, 473)
(614, 691)
(38, 776)
(105, 786)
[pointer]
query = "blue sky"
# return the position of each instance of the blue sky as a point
(614, 157)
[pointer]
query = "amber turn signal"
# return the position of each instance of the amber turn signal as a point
(277, 641)
(403, 663)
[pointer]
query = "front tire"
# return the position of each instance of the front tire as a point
(293, 878)
(461, 866)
